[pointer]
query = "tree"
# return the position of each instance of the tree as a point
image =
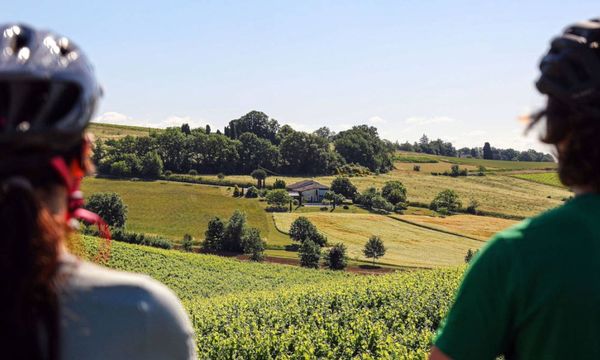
(362, 145)
(187, 243)
(236, 191)
(343, 186)
(487, 151)
(374, 248)
(185, 128)
(100, 152)
(278, 198)
(233, 232)
(324, 132)
(336, 258)
(470, 255)
(110, 207)
(447, 201)
(207, 129)
(255, 122)
(335, 199)
(253, 244)
(310, 254)
(152, 165)
(378, 202)
(279, 184)
(120, 169)
(255, 152)
(306, 154)
(259, 175)
(213, 236)
(302, 230)
(394, 192)
(252, 192)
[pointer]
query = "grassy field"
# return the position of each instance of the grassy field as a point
(110, 131)
(173, 209)
(495, 192)
(547, 178)
(501, 165)
(243, 310)
(406, 244)
(480, 227)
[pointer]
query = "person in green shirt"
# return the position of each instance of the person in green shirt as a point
(533, 291)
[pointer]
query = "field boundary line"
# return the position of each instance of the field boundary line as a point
(428, 227)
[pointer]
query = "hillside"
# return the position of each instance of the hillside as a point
(256, 311)
(111, 131)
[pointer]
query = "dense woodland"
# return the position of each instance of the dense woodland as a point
(256, 141)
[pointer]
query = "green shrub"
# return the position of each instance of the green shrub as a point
(310, 254)
(279, 184)
(394, 192)
(110, 207)
(253, 244)
(446, 199)
(213, 236)
(374, 248)
(252, 192)
(336, 258)
(193, 172)
(302, 230)
(187, 243)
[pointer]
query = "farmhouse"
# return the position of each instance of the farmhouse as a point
(307, 191)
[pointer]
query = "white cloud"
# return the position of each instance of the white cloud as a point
(113, 117)
(415, 120)
(376, 120)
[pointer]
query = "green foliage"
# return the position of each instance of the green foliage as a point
(304, 153)
(221, 176)
(193, 172)
(213, 237)
(336, 258)
(416, 159)
(353, 170)
(374, 248)
(119, 234)
(253, 244)
(343, 186)
(187, 243)
(473, 206)
(394, 192)
(279, 184)
(278, 198)
(446, 200)
(252, 192)
(378, 202)
(333, 198)
(120, 169)
(255, 122)
(260, 175)
(234, 230)
(470, 254)
(110, 207)
(152, 165)
(362, 145)
(303, 230)
(236, 191)
(309, 254)
(255, 152)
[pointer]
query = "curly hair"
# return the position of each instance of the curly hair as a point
(575, 132)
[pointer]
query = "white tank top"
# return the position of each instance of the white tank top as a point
(107, 314)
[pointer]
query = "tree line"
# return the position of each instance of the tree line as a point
(444, 148)
(251, 142)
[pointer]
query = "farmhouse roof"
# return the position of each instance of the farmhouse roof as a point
(306, 185)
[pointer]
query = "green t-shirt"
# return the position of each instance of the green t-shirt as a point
(533, 292)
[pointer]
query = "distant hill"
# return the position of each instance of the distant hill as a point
(111, 131)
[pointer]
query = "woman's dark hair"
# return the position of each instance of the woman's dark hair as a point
(29, 260)
(575, 132)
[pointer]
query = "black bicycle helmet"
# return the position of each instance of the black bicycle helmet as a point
(48, 90)
(571, 69)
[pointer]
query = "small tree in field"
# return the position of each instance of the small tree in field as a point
(253, 244)
(233, 232)
(447, 200)
(278, 198)
(374, 248)
(279, 184)
(213, 237)
(343, 186)
(303, 230)
(394, 192)
(236, 191)
(110, 207)
(152, 165)
(310, 254)
(187, 243)
(260, 175)
(335, 199)
(470, 255)
(336, 258)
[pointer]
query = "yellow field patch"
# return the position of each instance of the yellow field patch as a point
(406, 244)
(481, 227)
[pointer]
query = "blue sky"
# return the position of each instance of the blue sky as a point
(459, 70)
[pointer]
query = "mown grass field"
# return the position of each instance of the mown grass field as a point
(480, 227)
(549, 178)
(495, 192)
(173, 209)
(500, 165)
(406, 244)
(245, 310)
(110, 131)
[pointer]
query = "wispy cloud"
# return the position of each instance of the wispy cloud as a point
(415, 120)
(376, 120)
